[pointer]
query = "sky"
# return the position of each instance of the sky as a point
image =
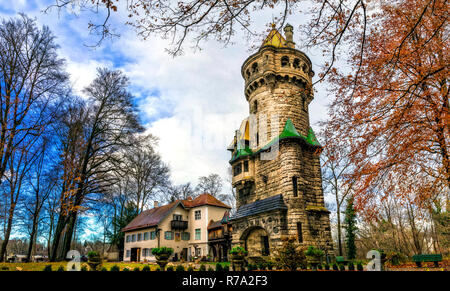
(193, 103)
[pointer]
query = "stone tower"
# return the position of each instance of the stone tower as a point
(275, 155)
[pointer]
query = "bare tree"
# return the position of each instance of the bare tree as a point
(336, 164)
(108, 120)
(32, 82)
(211, 184)
(182, 192)
(144, 170)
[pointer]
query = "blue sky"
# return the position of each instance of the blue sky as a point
(193, 102)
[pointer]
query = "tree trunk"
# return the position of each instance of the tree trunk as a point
(7, 233)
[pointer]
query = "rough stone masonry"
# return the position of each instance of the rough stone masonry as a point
(281, 196)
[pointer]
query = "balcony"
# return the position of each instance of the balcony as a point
(178, 224)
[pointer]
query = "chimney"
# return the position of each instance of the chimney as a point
(155, 204)
(288, 33)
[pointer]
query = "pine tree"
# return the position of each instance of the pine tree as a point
(350, 224)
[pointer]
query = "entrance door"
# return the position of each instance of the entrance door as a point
(184, 254)
(135, 254)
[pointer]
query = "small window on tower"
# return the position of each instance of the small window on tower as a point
(255, 106)
(245, 166)
(296, 64)
(284, 61)
(294, 186)
(299, 232)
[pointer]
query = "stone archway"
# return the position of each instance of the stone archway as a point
(256, 241)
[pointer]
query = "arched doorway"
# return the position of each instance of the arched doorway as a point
(256, 241)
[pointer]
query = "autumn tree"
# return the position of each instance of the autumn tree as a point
(393, 105)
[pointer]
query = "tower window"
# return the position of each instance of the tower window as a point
(296, 64)
(284, 61)
(255, 106)
(265, 245)
(245, 166)
(248, 73)
(255, 68)
(294, 186)
(299, 232)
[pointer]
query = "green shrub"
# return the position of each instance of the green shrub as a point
(190, 269)
(396, 258)
(262, 266)
(219, 267)
(359, 266)
(115, 268)
(84, 268)
(210, 268)
(326, 267)
(319, 267)
(136, 269)
(202, 267)
(312, 251)
(146, 268)
(351, 266)
(251, 267)
(169, 268)
(341, 267)
(238, 250)
(48, 268)
(290, 256)
(60, 269)
(335, 267)
(162, 250)
(126, 269)
(226, 268)
(158, 269)
(104, 269)
(4, 268)
(270, 265)
(180, 268)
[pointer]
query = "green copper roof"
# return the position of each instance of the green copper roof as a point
(289, 131)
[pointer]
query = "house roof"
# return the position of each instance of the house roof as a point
(154, 216)
(268, 204)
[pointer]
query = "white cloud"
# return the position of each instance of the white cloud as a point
(193, 102)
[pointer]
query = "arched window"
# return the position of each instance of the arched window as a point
(284, 61)
(255, 68)
(248, 73)
(296, 64)
(305, 68)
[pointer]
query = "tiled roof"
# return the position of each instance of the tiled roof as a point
(204, 199)
(214, 224)
(268, 204)
(153, 216)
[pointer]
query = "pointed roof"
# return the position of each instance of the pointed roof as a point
(274, 38)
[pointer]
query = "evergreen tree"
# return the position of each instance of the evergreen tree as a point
(350, 223)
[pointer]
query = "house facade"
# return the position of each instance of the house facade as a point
(219, 238)
(181, 225)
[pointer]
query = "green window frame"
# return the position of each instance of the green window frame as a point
(185, 235)
(152, 235)
(168, 235)
(146, 235)
(198, 234)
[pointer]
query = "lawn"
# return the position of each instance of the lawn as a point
(107, 265)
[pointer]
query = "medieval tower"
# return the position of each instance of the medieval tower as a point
(275, 155)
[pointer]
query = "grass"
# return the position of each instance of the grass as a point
(55, 265)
